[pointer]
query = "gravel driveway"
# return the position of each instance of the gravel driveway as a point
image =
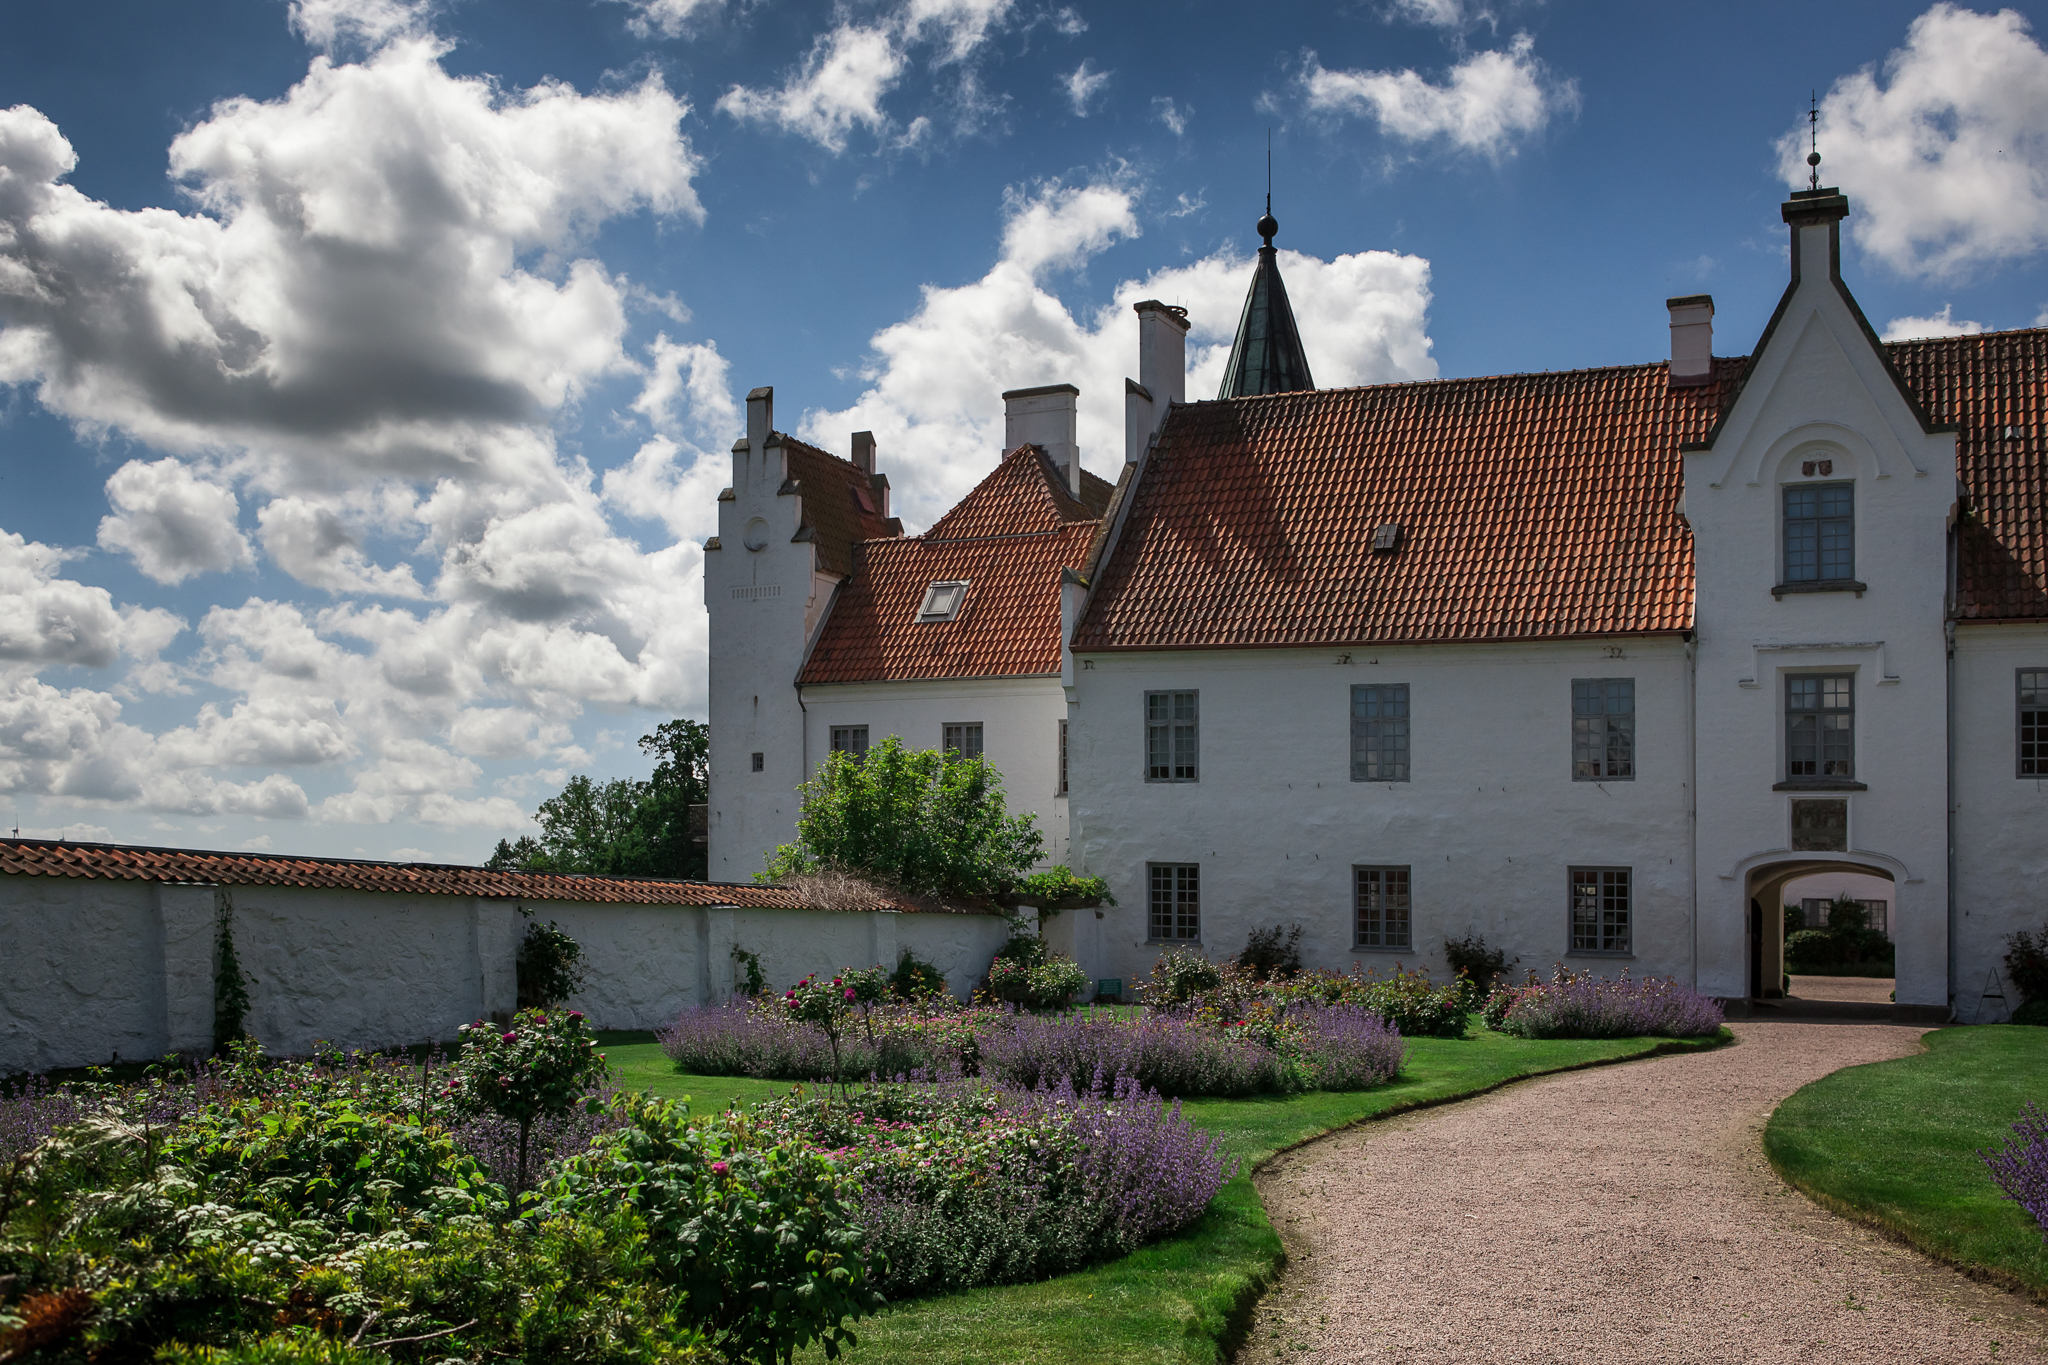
(1620, 1214)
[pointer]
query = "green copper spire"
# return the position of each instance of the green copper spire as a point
(1267, 357)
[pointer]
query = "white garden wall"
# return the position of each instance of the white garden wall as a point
(95, 970)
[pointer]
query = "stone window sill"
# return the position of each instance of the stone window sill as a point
(1600, 952)
(1822, 585)
(1405, 950)
(1173, 943)
(1819, 784)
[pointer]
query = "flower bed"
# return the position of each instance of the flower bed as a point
(1583, 1005)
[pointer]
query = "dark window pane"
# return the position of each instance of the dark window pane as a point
(1820, 725)
(1175, 910)
(1600, 910)
(2034, 722)
(1379, 733)
(1820, 533)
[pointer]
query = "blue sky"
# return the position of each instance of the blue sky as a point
(368, 364)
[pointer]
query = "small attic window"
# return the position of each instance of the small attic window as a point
(863, 497)
(1387, 539)
(942, 601)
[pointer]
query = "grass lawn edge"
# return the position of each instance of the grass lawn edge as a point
(1223, 1317)
(1894, 1229)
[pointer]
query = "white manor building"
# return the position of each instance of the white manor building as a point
(1595, 663)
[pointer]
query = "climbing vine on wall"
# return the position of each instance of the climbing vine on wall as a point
(230, 986)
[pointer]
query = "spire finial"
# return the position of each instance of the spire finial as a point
(1268, 226)
(1813, 137)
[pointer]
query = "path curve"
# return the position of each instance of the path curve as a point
(1624, 1213)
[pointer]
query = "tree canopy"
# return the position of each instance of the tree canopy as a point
(625, 827)
(926, 821)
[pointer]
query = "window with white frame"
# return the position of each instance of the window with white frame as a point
(1603, 729)
(1820, 725)
(1063, 758)
(1600, 910)
(1382, 908)
(1379, 732)
(2034, 722)
(942, 601)
(962, 739)
(850, 739)
(1820, 533)
(1176, 902)
(1170, 734)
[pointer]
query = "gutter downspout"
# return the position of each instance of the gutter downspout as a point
(1948, 630)
(1692, 779)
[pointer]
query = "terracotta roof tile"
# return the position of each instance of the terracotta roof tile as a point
(1008, 539)
(840, 509)
(1994, 387)
(124, 862)
(1531, 506)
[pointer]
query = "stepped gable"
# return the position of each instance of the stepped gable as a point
(128, 862)
(1533, 506)
(1008, 540)
(1994, 387)
(840, 506)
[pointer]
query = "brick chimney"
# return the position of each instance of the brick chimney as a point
(1692, 340)
(1046, 417)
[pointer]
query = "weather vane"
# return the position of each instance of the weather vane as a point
(1813, 136)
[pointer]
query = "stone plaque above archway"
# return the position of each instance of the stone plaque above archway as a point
(1820, 826)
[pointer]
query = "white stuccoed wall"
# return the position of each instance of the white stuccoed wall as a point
(1820, 392)
(1020, 719)
(1489, 822)
(91, 970)
(2001, 818)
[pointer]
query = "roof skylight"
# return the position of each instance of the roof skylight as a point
(942, 601)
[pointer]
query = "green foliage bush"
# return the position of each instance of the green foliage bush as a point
(625, 827)
(932, 823)
(762, 1241)
(1059, 883)
(1271, 952)
(1480, 965)
(541, 1066)
(2026, 963)
(915, 979)
(550, 965)
(1178, 976)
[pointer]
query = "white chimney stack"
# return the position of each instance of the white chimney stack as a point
(1692, 340)
(1045, 417)
(1162, 355)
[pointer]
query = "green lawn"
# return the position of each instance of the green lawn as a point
(1187, 1298)
(1895, 1144)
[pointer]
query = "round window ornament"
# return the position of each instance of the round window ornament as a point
(755, 537)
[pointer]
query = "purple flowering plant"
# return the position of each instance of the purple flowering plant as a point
(2020, 1168)
(1584, 1004)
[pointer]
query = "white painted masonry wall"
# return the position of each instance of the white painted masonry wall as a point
(2001, 856)
(91, 970)
(1489, 823)
(1820, 392)
(1020, 720)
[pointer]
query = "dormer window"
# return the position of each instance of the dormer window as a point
(1386, 539)
(942, 601)
(1820, 535)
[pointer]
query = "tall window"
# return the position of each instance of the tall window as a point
(1063, 758)
(1600, 910)
(1382, 907)
(1820, 725)
(1170, 736)
(2034, 722)
(850, 739)
(1379, 733)
(1176, 901)
(1603, 729)
(1820, 533)
(963, 740)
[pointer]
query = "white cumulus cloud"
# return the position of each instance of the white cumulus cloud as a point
(1488, 103)
(172, 522)
(934, 381)
(1082, 85)
(667, 18)
(1943, 151)
(46, 619)
(1942, 324)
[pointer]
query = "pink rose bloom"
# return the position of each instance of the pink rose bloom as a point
(849, 995)
(719, 1168)
(511, 1037)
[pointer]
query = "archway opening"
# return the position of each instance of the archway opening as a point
(1848, 910)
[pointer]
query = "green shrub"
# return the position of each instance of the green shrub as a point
(2026, 963)
(1271, 952)
(550, 966)
(1058, 883)
(763, 1241)
(1480, 965)
(1417, 1006)
(915, 979)
(1178, 977)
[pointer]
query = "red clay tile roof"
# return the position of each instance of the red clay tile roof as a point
(1009, 539)
(125, 862)
(840, 508)
(1995, 388)
(1532, 506)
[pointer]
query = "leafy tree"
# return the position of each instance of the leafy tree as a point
(929, 822)
(625, 827)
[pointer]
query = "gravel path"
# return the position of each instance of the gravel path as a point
(1620, 1214)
